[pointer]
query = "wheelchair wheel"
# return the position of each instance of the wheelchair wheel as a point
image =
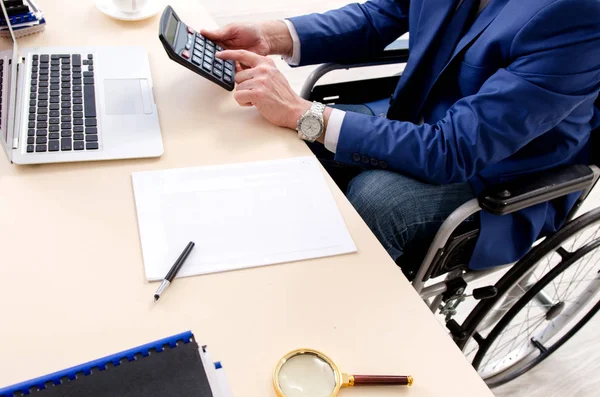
(541, 303)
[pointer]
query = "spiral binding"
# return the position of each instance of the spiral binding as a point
(101, 364)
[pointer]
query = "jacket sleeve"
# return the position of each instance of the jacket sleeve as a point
(555, 70)
(356, 31)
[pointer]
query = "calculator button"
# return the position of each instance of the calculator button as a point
(207, 66)
(227, 72)
(208, 57)
(188, 45)
(218, 65)
(219, 48)
(190, 30)
(227, 78)
(199, 47)
(199, 40)
(217, 73)
(196, 60)
(185, 54)
(228, 65)
(198, 54)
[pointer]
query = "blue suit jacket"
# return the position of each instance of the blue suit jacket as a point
(517, 97)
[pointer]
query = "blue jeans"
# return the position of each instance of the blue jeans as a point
(403, 213)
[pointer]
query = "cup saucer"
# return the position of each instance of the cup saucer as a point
(108, 7)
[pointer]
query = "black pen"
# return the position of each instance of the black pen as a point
(174, 269)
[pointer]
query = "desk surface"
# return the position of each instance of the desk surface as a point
(73, 285)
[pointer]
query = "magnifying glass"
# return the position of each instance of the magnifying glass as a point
(310, 373)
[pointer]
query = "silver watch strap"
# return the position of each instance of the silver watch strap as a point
(317, 108)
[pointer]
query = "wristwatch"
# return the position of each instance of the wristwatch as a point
(310, 126)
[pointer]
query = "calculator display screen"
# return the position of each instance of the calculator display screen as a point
(171, 29)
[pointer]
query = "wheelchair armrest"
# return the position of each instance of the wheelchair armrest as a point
(387, 57)
(536, 188)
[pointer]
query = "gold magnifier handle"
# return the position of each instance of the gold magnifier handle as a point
(376, 380)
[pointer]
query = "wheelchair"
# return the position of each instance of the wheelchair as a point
(507, 319)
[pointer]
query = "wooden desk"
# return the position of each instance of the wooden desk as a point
(73, 285)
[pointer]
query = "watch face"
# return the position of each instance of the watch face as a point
(311, 127)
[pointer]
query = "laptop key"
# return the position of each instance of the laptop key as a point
(54, 93)
(30, 140)
(54, 120)
(89, 95)
(76, 69)
(31, 124)
(54, 145)
(91, 138)
(65, 133)
(54, 99)
(43, 84)
(30, 148)
(66, 144)
(54, 106)
(32, 102)
(54, 68)
(65, 119)
(43, 111)
(30, 132)
(42, 104)
(65, 91)
(41, 140)
(77, 88)
(32, 95)
(42, 124)
(91, 145)
(54, 113)
(55, 62)
(91, 130)
(76, 58)
(43, 90)
(41, 132)
(53, 80)
(78, 137)
(32, 109)
(65, 126)
(54, 127)
(66, 85)
(65, 97)
(65, 105)
(77, 115)
(54, 87)
(44, 58)
(31, 116)
(88, 80)
(40, 148)
(78, 122)
(78, 145)
(78, 94)
(90, 122)
(42, 117)
(53, 135)
(43, 97)
(54, 56)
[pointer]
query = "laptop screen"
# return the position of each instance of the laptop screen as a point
(8, 78)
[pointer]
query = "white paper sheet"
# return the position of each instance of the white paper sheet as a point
(239, 215)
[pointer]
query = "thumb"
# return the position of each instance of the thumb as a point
(217, 34)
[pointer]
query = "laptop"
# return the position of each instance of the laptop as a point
(64, 104)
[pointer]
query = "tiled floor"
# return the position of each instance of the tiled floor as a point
(572, 371)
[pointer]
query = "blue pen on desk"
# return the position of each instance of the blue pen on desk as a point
(174, 269)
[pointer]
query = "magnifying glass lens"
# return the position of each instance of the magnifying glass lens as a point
(306, 375)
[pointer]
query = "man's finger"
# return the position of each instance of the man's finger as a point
(246, 85)
(215, 35)
(245, 74)
(244, 98)
(244, 57)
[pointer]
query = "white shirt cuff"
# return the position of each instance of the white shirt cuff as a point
(295, 59)
(334, 126)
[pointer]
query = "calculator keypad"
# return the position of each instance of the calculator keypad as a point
(201, 52)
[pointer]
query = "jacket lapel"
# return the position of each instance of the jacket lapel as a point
(484, 19)
(431, 19)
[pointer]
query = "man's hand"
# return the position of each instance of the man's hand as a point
(261, 84)
(266, 38)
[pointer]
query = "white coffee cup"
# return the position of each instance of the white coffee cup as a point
(130, 6)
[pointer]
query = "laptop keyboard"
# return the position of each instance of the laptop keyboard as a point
(62, 104)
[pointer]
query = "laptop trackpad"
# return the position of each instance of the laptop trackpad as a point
(127, 96)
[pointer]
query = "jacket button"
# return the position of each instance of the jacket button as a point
(356, 157)
(374, 162)
(365, 160)
(383, 164)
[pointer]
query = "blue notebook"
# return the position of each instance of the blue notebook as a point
(174, 366)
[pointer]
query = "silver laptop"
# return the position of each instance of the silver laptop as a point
(60, 104)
